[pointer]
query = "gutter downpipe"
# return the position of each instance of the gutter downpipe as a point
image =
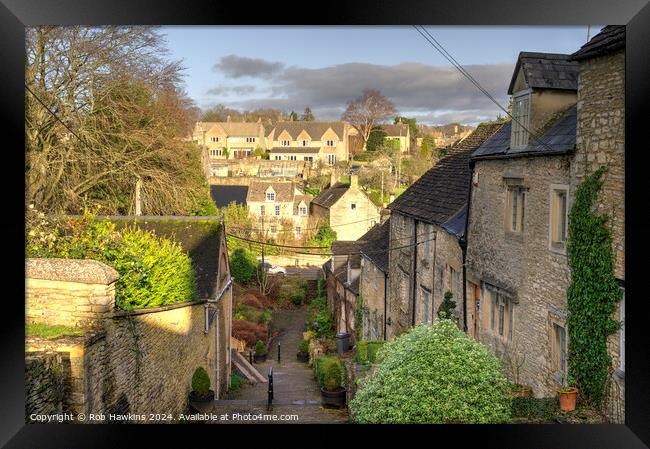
(385, 301)
(217, 300)
(415, 267)
(463, 242)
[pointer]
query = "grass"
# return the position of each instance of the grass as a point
(50, 332)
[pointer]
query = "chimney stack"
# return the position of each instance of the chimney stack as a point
(354, 181)
(391, 197)
(333, 178)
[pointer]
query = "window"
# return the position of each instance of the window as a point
(520, 122)
(215, 139)
(286, 143)
(452, 281)
(426, 299)
(298, 230)
(215, 152)
(262, 210)
(270, 196)
(292, 158)
(277, 210)
(353, 206)
(308, 158)
(501, 315)
(331, 159)
(329, 143)
(305, 143)
(250, 139)
(621, 341)
(558, 217)
(427, 238)
(559, 349)
(302, 210)
(515, 206)
(278, 158)
(376, 278)
(366, 270)
(274, 229)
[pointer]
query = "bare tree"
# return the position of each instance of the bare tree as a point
(368, 110)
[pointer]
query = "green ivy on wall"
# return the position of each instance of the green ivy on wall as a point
(593, 293)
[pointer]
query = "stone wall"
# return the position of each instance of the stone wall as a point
(47, 383)
(522, 268)
(372, 288)
(350, 224)
(132, 362)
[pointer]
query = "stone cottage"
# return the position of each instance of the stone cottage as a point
(600, 140)
(346, 208)
(426, 228)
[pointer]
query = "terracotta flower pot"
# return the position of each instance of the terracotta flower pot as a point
(522, 391)
(568, 399)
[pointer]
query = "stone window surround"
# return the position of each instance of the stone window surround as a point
(511, 182)
(557, 317)
(486, 306)
(525, 94)
(557, 247)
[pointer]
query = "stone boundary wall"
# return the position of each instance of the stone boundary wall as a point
(47, 383)
(126, 362)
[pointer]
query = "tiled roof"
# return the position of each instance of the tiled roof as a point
(224, 195)
(296, 150)
(328, 197)
(296, 202)
(236, 129)
(345, 247)
(546, 71)
(395, 130)
(611, 38)
(442, 191)
(559, 137)
(456, 224)
(375, 245)
(314, 129)
(284, 191)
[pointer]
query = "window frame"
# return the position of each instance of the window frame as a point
(519, 137)
(515, 211)
(285, 143)
(331, 159)
(278, 210)
(555, 245)
(270, 196)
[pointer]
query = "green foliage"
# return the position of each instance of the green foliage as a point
(304, 346)
(324, 236)
(367, 350)
(235, 381)
(433, 374)
(376, 139)
(260, 347)
(535, 409)
(447, 307)
(202, 204)
(412, 122)
(593, 293)
(261, 153)
(329, 372)
(297, 298)
(315, 191)
(307, 116)
(49, 332)
(293, 116)
(248, 313)
(320, 319)
(243, 266)
(358, 317)
(200, 381)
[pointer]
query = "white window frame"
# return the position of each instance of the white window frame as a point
(250, 139)
(273, 229)
(292, 157)
(278, 210)
(215, 152)
(376, 277)
(270, 196)
(285, 143)
(331, 159)
(519, 135)
(305, 142)
(556, 244)
(298, 230)
(302, 210)
(515, 212)
(330, 143)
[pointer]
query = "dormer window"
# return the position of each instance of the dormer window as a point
(285, 143)
(305, 143)
(250, 139)
(329, 143)
(270, 195)
(302, 210)
(521, 120)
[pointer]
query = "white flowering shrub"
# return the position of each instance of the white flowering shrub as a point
(433, 374)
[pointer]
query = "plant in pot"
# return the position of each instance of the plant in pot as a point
(201, 394)
(332, 391)
(568, 396)
(515, 358)
(260, 352)
(303, 351)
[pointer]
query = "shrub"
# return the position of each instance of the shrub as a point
(447, 307)
(333, 376)
(260, 347)
(297, 298)
(433, 374)
(328, 376)
(235, 381)
(304, 346)
(367, 350)
(200, 382)
(247, 313)
(320, 319)
(248, 331)
(243, 266)
(252, 301)
(535, 409)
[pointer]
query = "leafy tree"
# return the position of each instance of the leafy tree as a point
(293, 116)
(447, 307)
(324, 236)
(433, 374)
(243, 266)
(376, 139)
(307, 116)
(412, 122)
(366, 111)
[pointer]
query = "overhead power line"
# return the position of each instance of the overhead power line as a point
(441, 49)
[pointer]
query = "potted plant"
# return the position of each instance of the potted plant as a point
(521, 391)
(332, 391)
(260, 352)
(201, 394)
(568, 396)
(303, 351)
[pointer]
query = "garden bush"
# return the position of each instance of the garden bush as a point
(367, 350)
(248, 313)
(260, 347)
(536, 409)
(249, 332)
(252, 301)
(433, 374)
(303, 346)
(200, 381)
(320, 319)
(243, 266)
(297, 298)
(235, 381)
(325, 373)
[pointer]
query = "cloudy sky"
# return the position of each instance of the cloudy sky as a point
(289, 68)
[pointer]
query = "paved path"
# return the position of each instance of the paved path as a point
(295, 391)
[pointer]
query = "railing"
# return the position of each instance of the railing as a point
(269, 403)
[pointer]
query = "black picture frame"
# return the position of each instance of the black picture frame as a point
(15, 15)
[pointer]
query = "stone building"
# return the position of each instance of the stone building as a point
(426, 227)
(280, 205)
(399, 133)
(600, 141)
(373, 284)
(346, 208)
(229, 140)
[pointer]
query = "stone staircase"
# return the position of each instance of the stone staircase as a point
(244, 367)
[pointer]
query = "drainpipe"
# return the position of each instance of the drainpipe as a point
(463, 242)
(415, 267)
(433, 278)
(385, 302)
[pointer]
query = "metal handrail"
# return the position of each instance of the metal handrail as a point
(269, 402)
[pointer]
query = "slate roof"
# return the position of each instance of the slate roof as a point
(284, 191)
(314, 129)
(558, 138)
(395, 130)
(235, 129)
(224, 195)
(328, 197)
(611, 38)
(196, 235)
(296, 202)
(375, 245)
(456, 224)
(442, 191)
(546, 71)
(296, 150)
(345, 247)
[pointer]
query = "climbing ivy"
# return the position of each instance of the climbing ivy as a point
(593, 292)
(358, 318)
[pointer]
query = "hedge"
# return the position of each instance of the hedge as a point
(433, 374)
(367, 350)
(323, 367)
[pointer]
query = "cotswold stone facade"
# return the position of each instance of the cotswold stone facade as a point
(521, 271)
